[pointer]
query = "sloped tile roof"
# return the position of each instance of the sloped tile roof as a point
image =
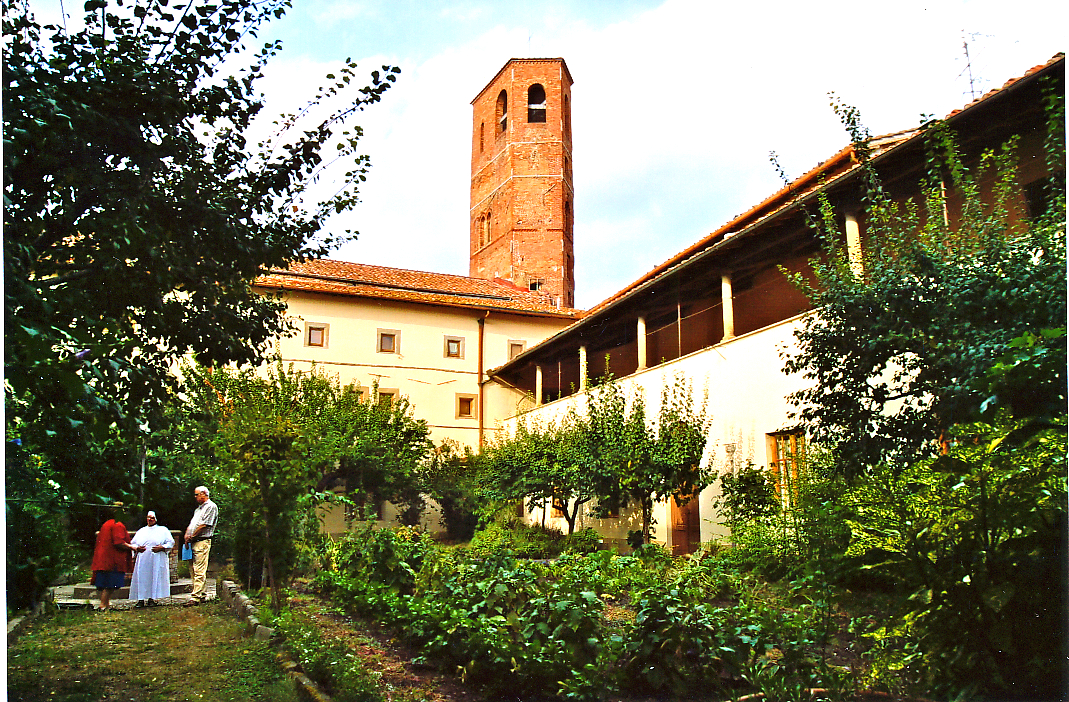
(363, 280)
(823, 174)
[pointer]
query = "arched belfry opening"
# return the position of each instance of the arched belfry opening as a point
(502, 112)
(536, 104)
(527, 172)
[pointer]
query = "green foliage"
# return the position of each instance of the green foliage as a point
(44, 552)
(974, 538)
(749, 494)
(939, 383)
(546, 466)
(332, 665)
(388, 557)
(518, 539)
(901, 352)
(270, 441)
(450, 479)
(583, 541)
(611, 452)
(792, 531)
(136, 212)
(644, 461)
(534, 630)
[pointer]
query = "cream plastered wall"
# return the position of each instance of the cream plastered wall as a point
(746, 393)
(420, 370)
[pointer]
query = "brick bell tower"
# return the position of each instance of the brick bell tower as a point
(521, 179)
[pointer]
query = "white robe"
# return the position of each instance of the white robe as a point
(151, 579)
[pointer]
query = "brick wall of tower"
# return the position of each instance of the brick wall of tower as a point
(521, 183)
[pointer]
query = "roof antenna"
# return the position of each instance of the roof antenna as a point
(973, 81)
(968, 67)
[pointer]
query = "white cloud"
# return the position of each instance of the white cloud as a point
(675, 111)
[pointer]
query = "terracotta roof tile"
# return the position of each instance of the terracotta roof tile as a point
(822, 174)
(363, 280)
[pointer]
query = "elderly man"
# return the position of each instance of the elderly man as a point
(199, 536)
(152, 577)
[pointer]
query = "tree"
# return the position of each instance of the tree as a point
(939, 382)
(902, 352)
(648, 461)
(607, 452)
(137, 211)
(546, 466)
(276, 442)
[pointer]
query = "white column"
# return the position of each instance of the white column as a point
(641, 337)
(729, 313)
(853, 243)
(582, 368)
(538, 385)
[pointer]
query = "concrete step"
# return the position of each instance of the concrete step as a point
(84, 590)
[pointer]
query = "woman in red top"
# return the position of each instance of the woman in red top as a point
(111, 560)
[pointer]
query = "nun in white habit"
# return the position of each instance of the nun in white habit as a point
(151, 580)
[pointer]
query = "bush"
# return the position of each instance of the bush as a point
(390, 557)
(582, 541)
(520, 539)
(975, 540)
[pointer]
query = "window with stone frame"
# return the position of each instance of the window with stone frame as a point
(454, 347)
(315, 334)
(388, 341)
(467, 406)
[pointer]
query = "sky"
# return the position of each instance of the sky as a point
(677, 104)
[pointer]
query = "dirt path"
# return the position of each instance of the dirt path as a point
(158, 654)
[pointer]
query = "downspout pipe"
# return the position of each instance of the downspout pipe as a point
(482, 333)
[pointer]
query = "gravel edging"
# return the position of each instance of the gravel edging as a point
(240, 604)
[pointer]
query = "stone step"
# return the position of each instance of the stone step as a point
(84, 590)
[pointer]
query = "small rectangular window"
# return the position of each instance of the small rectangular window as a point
(386, 395)
(516, 348)
(466, 406)
(454, 347)
(315, 334)
(389, 341)
(535, 284)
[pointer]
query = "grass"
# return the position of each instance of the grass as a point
(162, 654)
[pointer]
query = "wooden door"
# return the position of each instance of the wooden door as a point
(686, 527)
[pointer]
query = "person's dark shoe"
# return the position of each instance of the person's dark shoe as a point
(153, 603)
(140, 604)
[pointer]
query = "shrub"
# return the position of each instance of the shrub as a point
(583, 541)
(390, 557)
(522, 540)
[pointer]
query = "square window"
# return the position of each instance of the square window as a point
(387, 395)
(454, 347)
(315, 334)
(516, 348)
(467, 406)
(389, 341)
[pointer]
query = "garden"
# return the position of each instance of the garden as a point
(917, 553)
